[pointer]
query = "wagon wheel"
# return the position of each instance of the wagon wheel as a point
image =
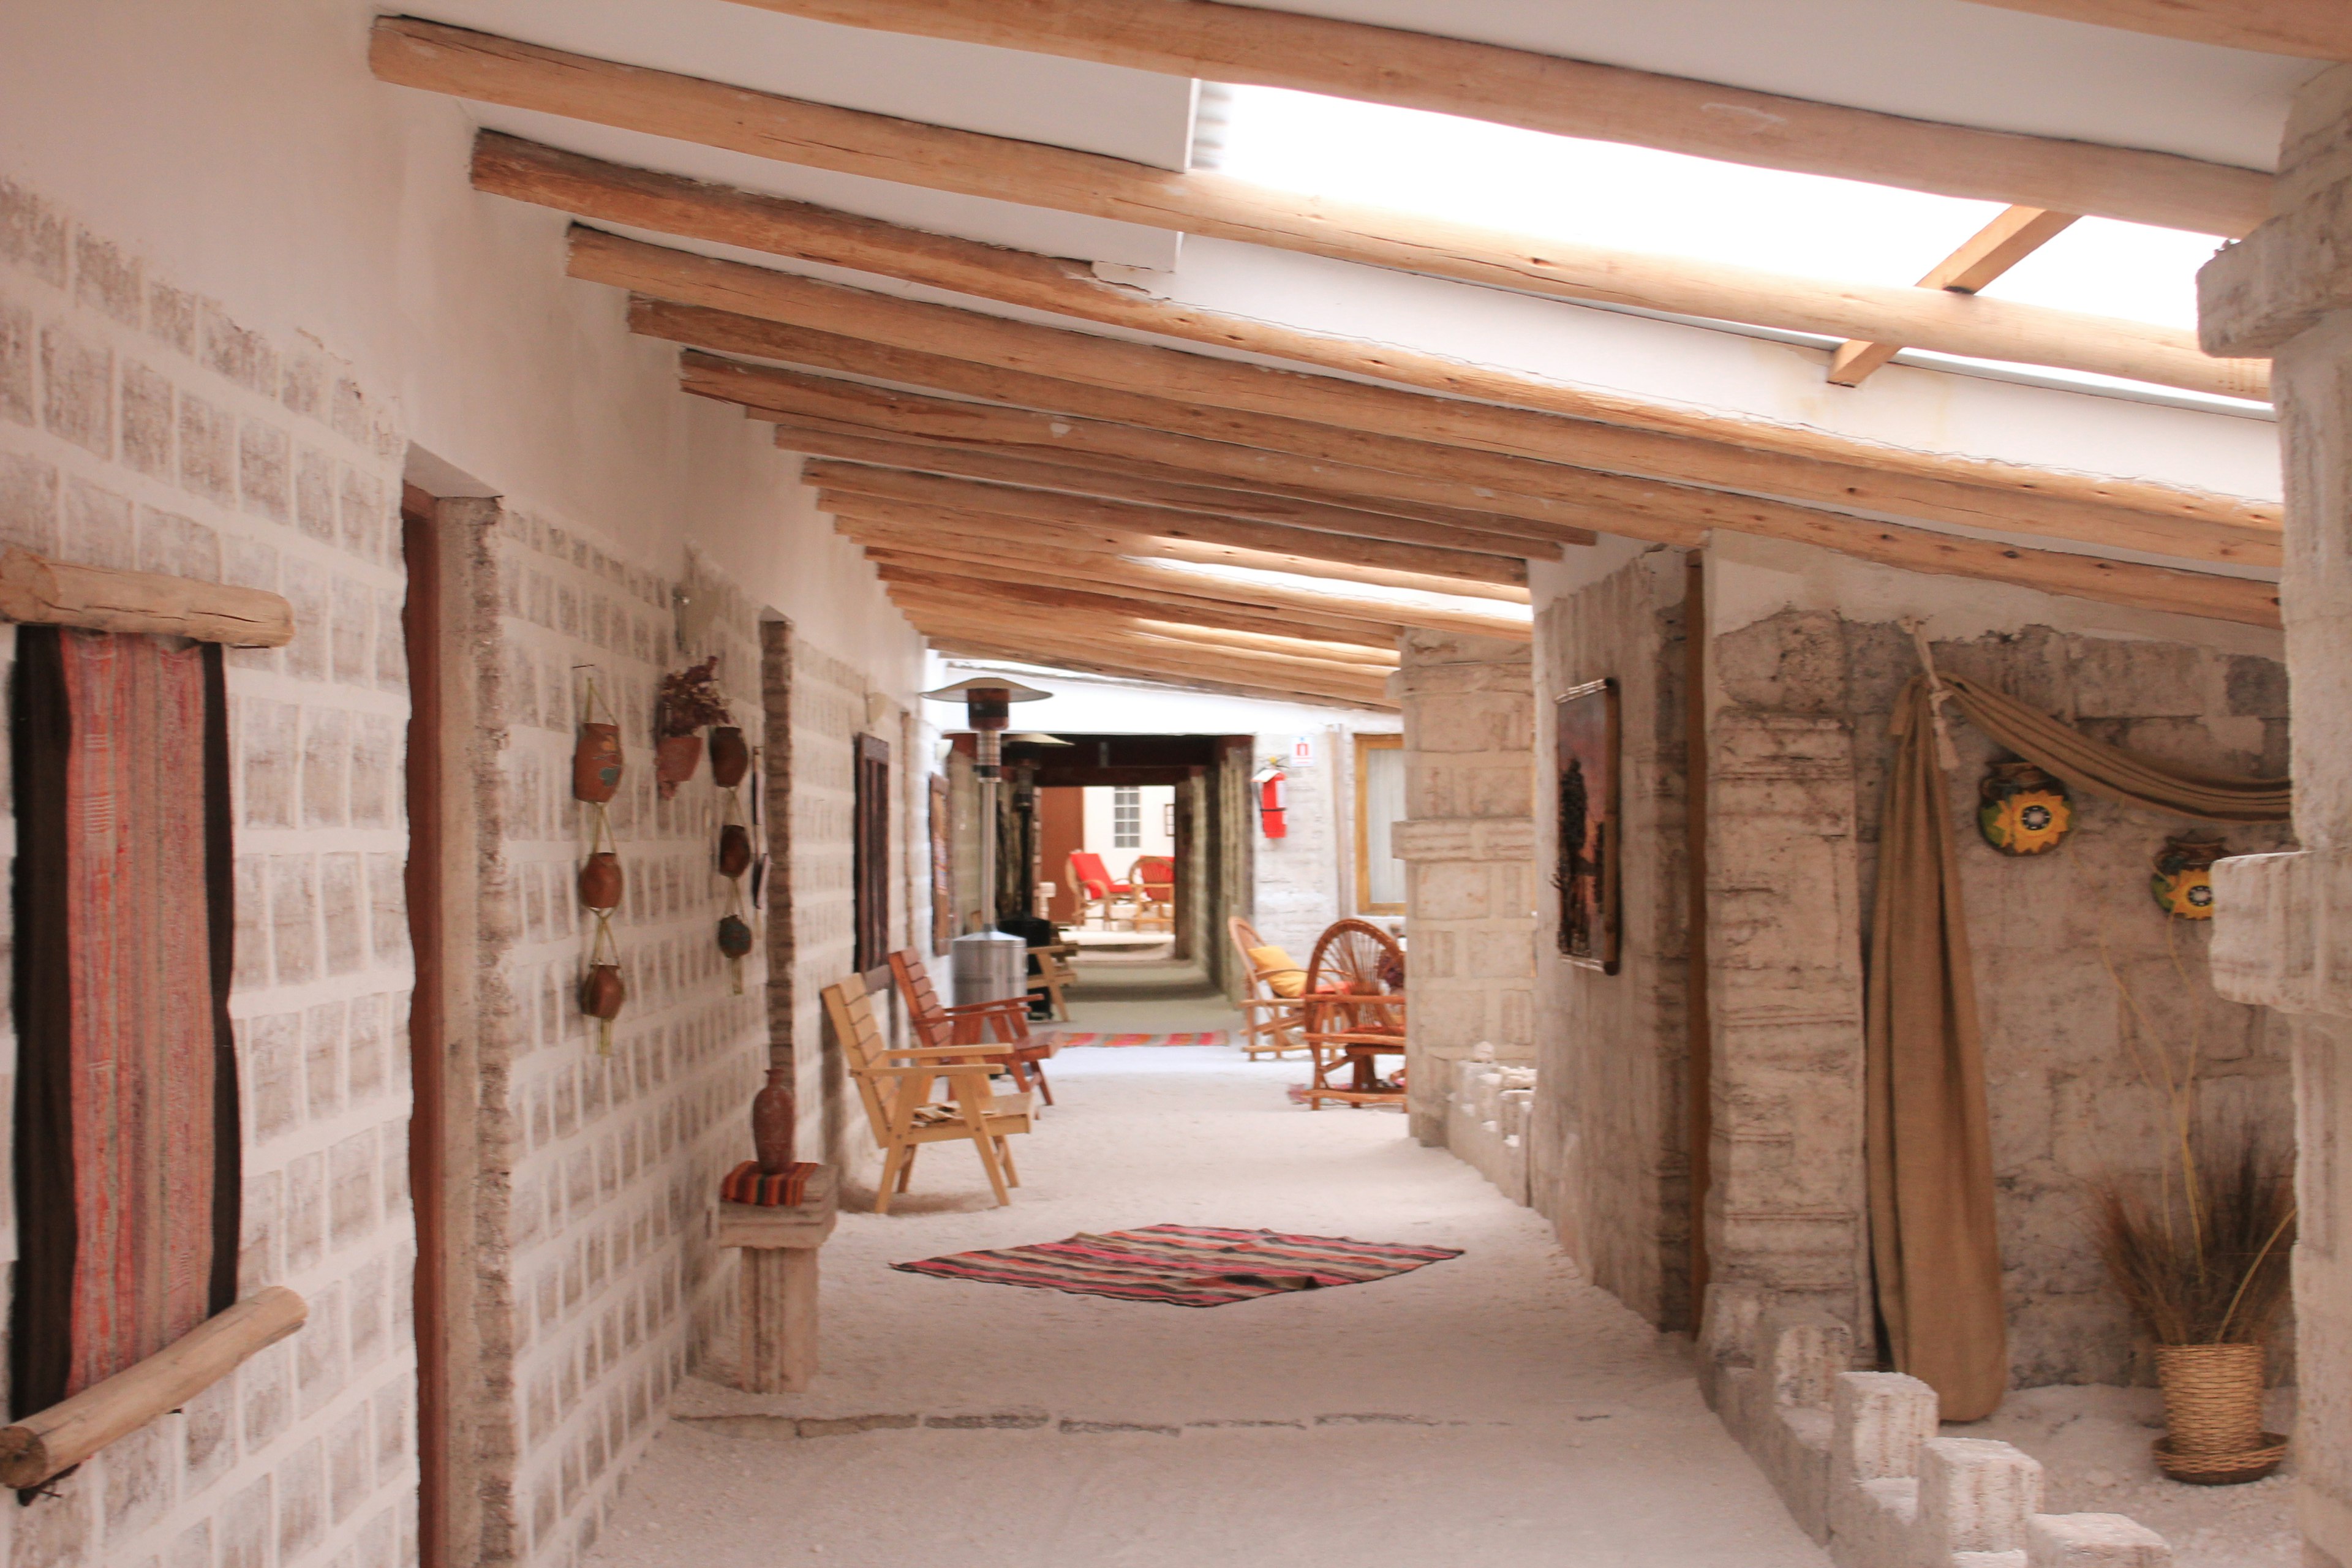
(1354, 959)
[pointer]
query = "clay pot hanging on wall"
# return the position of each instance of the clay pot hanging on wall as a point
(2183, 883)
(730, 756)
(601, 992)
(674, 759)
(2021, 810)
(734, 936)
(734, 850)
(596, 763)
(774, 1114)
(602, 882)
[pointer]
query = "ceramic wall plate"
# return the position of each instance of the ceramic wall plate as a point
(2021, 810)
(2183, 883)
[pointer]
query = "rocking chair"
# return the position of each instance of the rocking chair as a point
(1272, 1009)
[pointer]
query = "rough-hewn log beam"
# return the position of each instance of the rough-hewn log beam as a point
(1122, 403)
(1151, 484)
(2011, 237)
(1515, 486)
(489, 68)
(1729, 450)
(1251, 45)
(1190, 587)
(1196, 536)
(998, 650)
(1139, 653)
(2313, 29)
(1117, 600)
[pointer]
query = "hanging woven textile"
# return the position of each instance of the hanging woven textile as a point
(1936, 1252)
(126, 1156)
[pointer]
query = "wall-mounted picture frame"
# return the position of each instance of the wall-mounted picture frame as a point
(1586, 733)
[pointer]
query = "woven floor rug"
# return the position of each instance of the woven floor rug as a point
(1185, 1265)
(1066, 1038)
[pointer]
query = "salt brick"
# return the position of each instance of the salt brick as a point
(365, 1312)
(260, 1227)
(294, 918)
(16, 362)
(97, 531)
(364, 513)
(29, 502)
(350, 1472)
(307, 589)
(344, 917)
(245, 1527)
(352, 1187)
(207, 450)
(172, 316)
(322, 1060)
(32, 233)
(378, 1545)
(265, 461)
(243, 356)
(139, 1469)
(347, 412)
(78, 390)
(106, 279)
(390, 645)
(354, 606)
(146, 414)
(303, 389)
(266, 1396)
(301, 1502)
(314, 494)
(364, 1049)
(194, 1546)
(326, 766)
(209, 1434)
(273, 1074)
(388, 908)
(268, 732)
(178, 546)
(305, 1228)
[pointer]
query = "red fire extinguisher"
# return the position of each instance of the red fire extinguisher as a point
(1270, 818)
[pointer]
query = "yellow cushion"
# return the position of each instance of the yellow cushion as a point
(1287, 979)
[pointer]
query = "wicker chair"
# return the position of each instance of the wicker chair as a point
(1270, 1020)
(1152, 879)
(1099, 896)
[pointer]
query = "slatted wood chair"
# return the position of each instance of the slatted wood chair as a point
(1355, 1014)
(896, 1086)
(1099, 896)
(1153, 884)
(1054, 977)
(1001, 1028)
(1271, 1019)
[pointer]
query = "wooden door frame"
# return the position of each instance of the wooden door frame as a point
(456, 1390)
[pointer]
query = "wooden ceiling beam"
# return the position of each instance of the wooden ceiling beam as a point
(1560, 495)
(1357, 441)
(1151, 484)
(1193, 536)
(1729, 450)
(1043, 593)
(1181, 664)
(1110, 634)
(1250, 45)
(2008, 239)
(2309, 29)
(487, 67)
(985, 650)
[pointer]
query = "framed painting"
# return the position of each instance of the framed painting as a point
(1585, 742)
(942, 870)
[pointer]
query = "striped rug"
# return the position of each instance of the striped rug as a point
(1185, 1265)
(1066, 1038)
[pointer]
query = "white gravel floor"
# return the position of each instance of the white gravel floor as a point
(1492, 1409)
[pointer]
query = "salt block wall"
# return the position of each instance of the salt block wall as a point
(612, 1151)
(142, 425)
(1607, 1144)
(2067, 1105)
(1301, 887)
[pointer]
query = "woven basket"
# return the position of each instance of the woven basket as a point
(2213, 1413)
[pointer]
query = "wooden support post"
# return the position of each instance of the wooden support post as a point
(780, 1245)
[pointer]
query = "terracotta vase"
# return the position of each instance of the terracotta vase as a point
(674, 759)
(597, 762)
(602, 992)
(602, 882)
(730, 756)
(734, 936)
(772, 1117)
(734, 850)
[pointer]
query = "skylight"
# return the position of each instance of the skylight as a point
(1633, 198)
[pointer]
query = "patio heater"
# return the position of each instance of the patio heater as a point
(989, 964)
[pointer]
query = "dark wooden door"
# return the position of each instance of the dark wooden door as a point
(870, 873)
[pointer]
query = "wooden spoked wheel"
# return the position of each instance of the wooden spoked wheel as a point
(1353, 959)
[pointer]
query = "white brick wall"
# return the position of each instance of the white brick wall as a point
(141, 427)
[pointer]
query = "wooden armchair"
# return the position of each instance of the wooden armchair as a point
(999, 1028)
(897, 1088)
(1272, 1013)
(1355, 1014)
(1054, 977)
(1152, 881)
(1090, 879)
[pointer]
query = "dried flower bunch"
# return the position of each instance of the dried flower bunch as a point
(690, 699)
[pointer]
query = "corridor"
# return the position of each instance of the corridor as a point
(1490, 1408)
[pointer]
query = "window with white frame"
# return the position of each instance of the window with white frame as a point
(1126, 818)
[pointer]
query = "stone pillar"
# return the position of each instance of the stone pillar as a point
(2282, 931)
(1468, 843)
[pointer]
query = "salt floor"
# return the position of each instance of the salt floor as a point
(1493, 1409)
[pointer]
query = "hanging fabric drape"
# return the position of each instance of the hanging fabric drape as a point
(1934, 1241)
(126, 1159)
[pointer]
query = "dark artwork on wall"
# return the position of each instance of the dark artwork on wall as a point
(944, 920)
(1586, 734)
